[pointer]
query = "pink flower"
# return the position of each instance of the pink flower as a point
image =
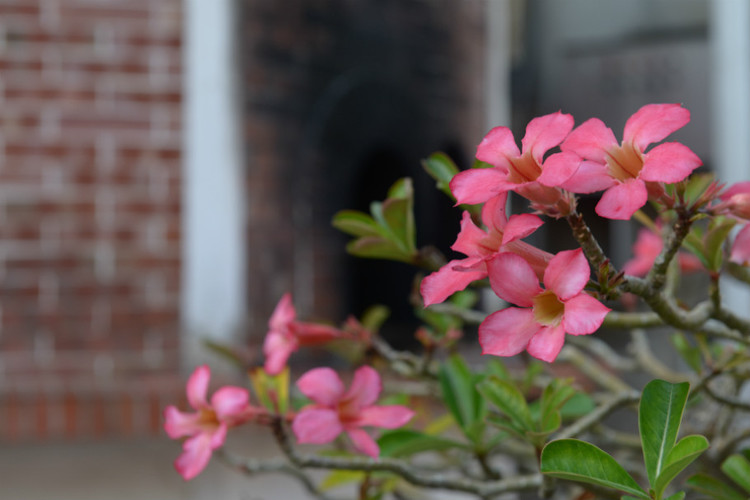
(647, 248)
(526, 172)
(548, 315)
(207, 427)
(740, 251)
(336, 410)
(286, 335)
(736, 200)
(502, 235)
(624, 169)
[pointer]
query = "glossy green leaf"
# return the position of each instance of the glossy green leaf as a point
(509, 400)
(714, 488)
(442, 169)
(400, 219)
(580, 461)
(683, 454)
(659, 416)
(406, 442)
(738, 468)
(577, 406)
(356, 223)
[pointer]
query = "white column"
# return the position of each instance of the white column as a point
(214, 249)
(497, 78)
(730, 99)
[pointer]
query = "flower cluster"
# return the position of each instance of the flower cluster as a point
(547, 297)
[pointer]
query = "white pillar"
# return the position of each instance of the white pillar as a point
(730, 99)
(497, 78)
(214, 249)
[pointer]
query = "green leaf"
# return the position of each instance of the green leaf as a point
(406, 442)
(400, 220)
(356, 223)
(506, 397)
(684, 452)
(375, 247)
(555, 395)
(659, 417)
(374, 317)
(714, 242)
(690, 353)
(442, 169)
(716, 489)
(341, 477)
(738, 468)
(459, 392)
(580, 461)
(579, 405)
(680, 495)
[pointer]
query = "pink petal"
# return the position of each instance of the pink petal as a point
(493, 212)
(277, 348)
(230, 402)
(388, 417)
(178, 424)
(218, 436)
(689, 263)
(736, 188)
(313, 333)
(478, 185)
(589, 178)
(558, 168)
(546, 132)
(443, 283)
(507, 332)
(622, 200)
(645, 250)
(322, 385)
(365, 388)
(195, 456)
(583, 314)
(740, 252)
(197, 385)
(363, 443)
(283, 314)
(653, 122)
(513, 279)
(497, 146)
(538, 259)
(590, 140)
(669, 162)
(469, 237)
(547, 343)
(567, 273)
(316, 425)
(520, 226)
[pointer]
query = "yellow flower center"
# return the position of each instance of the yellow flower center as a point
(548, 310)
(624, 162)
(524, 169)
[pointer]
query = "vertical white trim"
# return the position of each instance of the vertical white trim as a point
(214, 249)
(498, 52)
(730, 99)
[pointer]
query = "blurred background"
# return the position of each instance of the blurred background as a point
(169, 168)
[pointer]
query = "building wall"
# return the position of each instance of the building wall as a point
(342, 97)
(90, 120)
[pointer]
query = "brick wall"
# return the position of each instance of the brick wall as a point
(343, 97)
(90, 104)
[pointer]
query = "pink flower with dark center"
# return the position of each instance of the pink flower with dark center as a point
(286, 335)
(647, 248)
(336, 410)
(526, 172)
(502, 235)
(625, 169)
(546, 314)
(207, 427)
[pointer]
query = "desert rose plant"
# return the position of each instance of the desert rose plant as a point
(573, 397)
